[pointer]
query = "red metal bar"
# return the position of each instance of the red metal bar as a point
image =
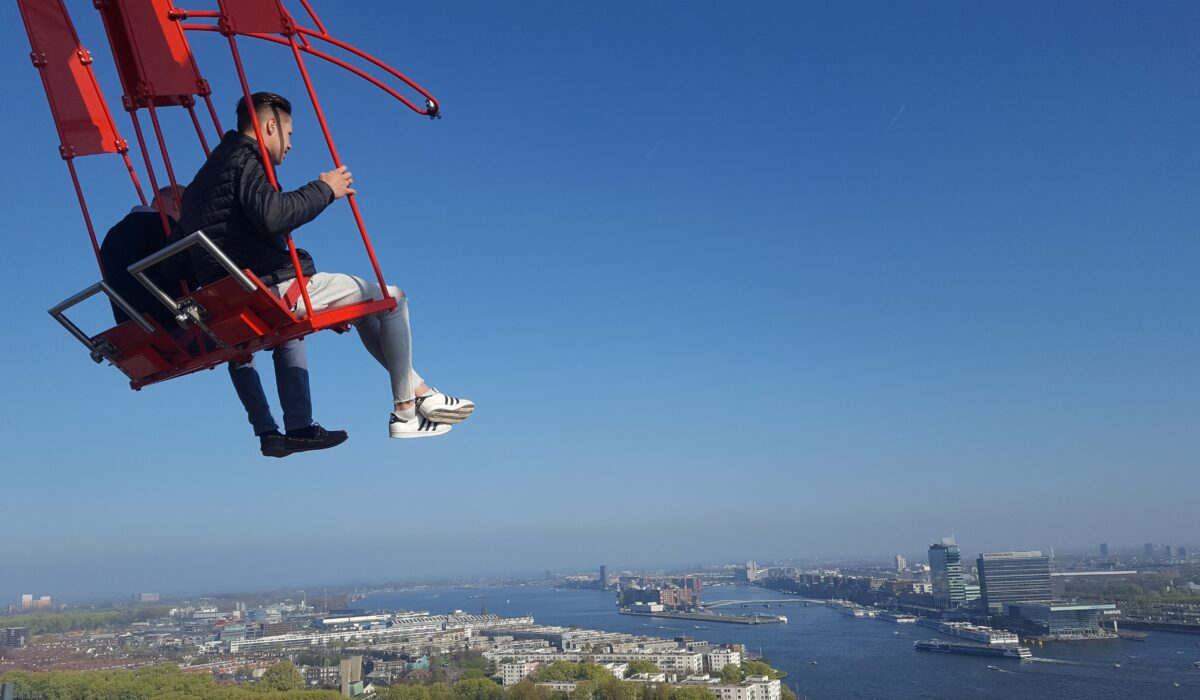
(337, 163)
(213, 113)
(137, 129)
(368, 57)
(316, 20)
(87, 218)
(268, 166)
(337, 62)
(322, 55)
(133, 176)
(199, 132)
(162, 148)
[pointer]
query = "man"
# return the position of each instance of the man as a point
(233, 202)
(138, 235)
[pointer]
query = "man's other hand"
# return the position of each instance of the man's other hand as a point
(339, 181)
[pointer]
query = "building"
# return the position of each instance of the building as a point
(1069, 621)
(901, 563)
(603, 577)
(145, 597)
(1014, 577)
(720, 657)
(1166, 548)
(1148, 548)
(517, 671)
(1104, 549)
(13, 636)
(946, 575)
(749, 573)
(753, 688)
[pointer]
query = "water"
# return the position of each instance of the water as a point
(857, 658)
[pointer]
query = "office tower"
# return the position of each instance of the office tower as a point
(945, 572)
(603, 577)
(901, 563)
(1148, 548)
(1166, 551)
(1104, 549)
(1014, 577)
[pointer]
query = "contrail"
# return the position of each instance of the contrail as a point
(652, 150)
(894, 119)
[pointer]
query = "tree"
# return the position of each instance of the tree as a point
(732, 674)
(691, 692)
(477, 689)
(641, 666)
(786, 693)
(528, 690)
(282, 676)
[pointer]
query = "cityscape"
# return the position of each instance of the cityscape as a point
(814, 350)
(725, 637)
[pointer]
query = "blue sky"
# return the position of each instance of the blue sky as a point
(777, 280)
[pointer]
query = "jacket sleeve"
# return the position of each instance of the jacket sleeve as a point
(274, 213)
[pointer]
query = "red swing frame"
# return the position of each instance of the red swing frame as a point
(237, 315)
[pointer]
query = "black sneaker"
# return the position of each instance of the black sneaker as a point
(273, 444)
(314, 437)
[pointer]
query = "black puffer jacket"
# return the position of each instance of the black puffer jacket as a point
(232, 201)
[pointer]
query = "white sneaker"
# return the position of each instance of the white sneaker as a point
(415, 426)
(440, 408)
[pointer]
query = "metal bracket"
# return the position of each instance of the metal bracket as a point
(99, 349)
(188, 312)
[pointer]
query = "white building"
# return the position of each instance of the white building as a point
(513, 673)
(679, 663)
(753, 688)
(721, 657)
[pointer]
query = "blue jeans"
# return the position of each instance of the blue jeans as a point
(291, 380)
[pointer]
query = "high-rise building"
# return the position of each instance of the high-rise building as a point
(901, 563)
(13, 636)
(1014, 577)
(946, 575)
(1182, 552)
(27, 600)
(1149, 550)
(1166, 551)
(603, 577)
(1104, 549)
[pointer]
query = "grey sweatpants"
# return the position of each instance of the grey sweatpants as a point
(386, 336)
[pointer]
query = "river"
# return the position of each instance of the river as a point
(829, 655)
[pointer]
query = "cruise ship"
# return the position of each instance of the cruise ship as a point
(1012, 652)
(898, 618)
(975, 633)
(849, 609)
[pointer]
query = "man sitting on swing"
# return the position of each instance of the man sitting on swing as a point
(232, 201)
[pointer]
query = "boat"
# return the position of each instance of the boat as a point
(993, 668)
(1012, 652)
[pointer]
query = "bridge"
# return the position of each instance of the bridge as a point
(723, 603)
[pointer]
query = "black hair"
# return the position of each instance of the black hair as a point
(265, 103)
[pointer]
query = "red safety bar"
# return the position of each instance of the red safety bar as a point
(158, 70)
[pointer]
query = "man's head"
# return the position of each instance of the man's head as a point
(274, 119)
(164, 201)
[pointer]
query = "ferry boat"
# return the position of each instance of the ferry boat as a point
(1012, 652)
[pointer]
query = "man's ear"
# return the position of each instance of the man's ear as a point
(269, 126)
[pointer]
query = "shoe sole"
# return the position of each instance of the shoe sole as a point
(276, 453)
(449, 416)
(418, 434)
(317, 447)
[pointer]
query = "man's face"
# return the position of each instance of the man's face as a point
(278, 135)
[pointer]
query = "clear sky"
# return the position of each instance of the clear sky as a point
(754, 280)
